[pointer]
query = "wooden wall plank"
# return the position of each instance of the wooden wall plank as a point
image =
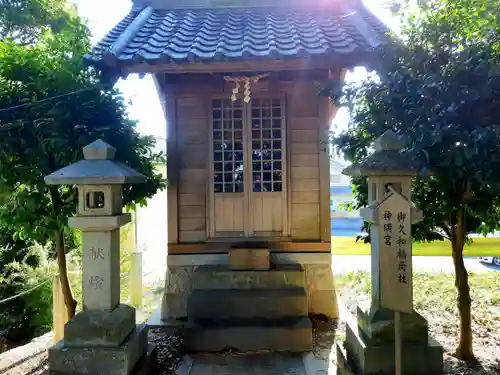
(191, 107)
(306, 173)
(303, 101)
(192, 236)
(190, 136)
(305, 221)
(301, 148)
(193, 151)
(305, 184)
(197, 223)
(193, 181)
(304, 123)
(172, 165)
(190, 212)
(324, 169)
(187, 199)
(311, 160)
(310, 196)
(304, 136)
(194, 156)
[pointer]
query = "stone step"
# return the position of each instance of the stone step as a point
(247, 303)
(220, 277)
(285, 335)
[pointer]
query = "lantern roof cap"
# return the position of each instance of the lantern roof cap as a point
(389, 158)
(98, 168)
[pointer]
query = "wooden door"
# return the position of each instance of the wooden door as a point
(228, 154)
(248, 190)
(267, 198)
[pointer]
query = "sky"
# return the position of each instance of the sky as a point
(102, 15)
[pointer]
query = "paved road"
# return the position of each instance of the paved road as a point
(349, 263)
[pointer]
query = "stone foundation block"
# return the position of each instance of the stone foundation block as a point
(249, 259)
(321, 291)
(323, 302)
(174, 306)
(122, 360)
(377, 325)
(178, 285)
(363, 359)
(100, 328)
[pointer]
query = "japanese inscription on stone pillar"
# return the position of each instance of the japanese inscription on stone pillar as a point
(100, 272)
(96, 254)
(395, 253)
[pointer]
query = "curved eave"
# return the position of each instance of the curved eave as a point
(357, 58)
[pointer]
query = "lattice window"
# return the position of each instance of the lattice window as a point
(267, 145)
(227, 125)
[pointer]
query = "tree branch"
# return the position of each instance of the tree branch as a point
(447, 230)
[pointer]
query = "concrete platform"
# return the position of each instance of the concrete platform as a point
(285, 335)
(247, 303)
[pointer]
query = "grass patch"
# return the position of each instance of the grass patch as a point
(479, 247)
(435, 298)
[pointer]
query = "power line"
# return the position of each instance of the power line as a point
(23, 293)
(98, 86)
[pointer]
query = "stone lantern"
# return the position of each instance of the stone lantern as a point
(103, 338)
(369, 345)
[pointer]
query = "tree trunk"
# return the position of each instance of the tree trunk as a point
(464, 350)
(69, 301)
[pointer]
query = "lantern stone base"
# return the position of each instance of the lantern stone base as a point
(377, 325)
(369, 347)
(100, 328)
(133, 357)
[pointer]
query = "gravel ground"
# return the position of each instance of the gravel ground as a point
(325, 335)
(170, 349)
(169, 344)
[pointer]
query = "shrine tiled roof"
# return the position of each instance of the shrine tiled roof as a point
(149, 35)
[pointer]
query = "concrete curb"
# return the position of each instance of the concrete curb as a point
(17, 356)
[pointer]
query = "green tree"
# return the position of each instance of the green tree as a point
(51, 105)
(25, 21)
(439, 89)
